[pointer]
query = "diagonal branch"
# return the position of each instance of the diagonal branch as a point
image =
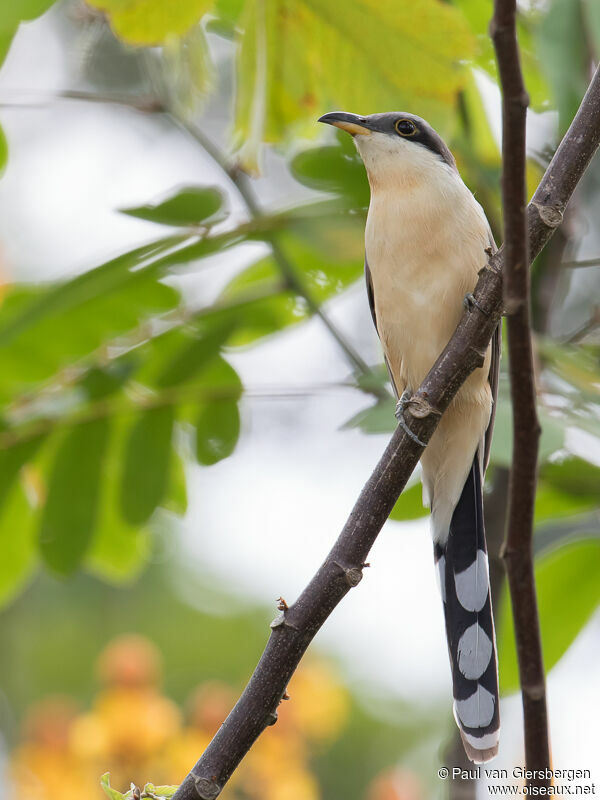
(517, 550)
(295, 627)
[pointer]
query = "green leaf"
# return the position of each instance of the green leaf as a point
(217, 431)
(12, 14)
(119, 549)
(591, 14)
(227, 15)
(479, 14)
(152, 22)
(568, 593)
(3, 150)
(12, 460)
(302, 57)
(552, 438)
(551, 503)
(176, 500)
(481, 141)
(574, 476)
(161, 791)
(323, 277)
(190, 205)
(18, 543)
(113, 794)
(100, 305)
(331, 169)
(378, 418)
(71, 510)
(410, 505)
(578, 365)
(563, 57)
(198, 348)
(28, 310)
(36, 332)
(146, 466)
(101, 382)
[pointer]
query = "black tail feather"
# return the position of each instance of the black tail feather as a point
(464, 580)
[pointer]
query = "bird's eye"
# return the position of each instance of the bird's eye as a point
(405, 127)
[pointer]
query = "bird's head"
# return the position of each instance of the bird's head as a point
(396, 147)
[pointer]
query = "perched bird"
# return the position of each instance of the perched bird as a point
(425, 241)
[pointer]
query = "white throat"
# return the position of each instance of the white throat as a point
(396, 163)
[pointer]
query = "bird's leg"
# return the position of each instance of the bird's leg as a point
(399, 413)
(470, 302)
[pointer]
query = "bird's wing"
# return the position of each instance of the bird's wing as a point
(370, 293)
(493, 381)
(371, 298)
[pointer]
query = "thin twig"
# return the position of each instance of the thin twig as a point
(294, 629)
(592, 324)
(588, 262)
(514, 162)
(517, 550)
(146, 400)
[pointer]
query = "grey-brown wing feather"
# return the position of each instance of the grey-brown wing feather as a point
(493, 378)
(371, 298)
(493, 381)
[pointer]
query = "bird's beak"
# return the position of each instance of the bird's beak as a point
(351, 123)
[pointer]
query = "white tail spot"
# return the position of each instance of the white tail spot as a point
(472, 583)
(474, 652)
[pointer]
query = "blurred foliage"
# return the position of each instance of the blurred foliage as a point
(135, 730)
(113, 380)
(13, 14)
(141, 731)
(568, 593)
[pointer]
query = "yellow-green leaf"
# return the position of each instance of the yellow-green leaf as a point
(161, 791)
(300, 58)
(152, 22)
(113, 794)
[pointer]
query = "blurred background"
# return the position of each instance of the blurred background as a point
(192, 393)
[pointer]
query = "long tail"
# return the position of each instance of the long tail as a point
(464, 580)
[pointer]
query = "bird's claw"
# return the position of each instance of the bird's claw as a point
(401, 405)
(399, 414)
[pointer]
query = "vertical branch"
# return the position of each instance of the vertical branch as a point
(518, 551)
(514, 114)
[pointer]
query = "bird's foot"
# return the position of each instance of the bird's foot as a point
(399, 413)
(470, 302)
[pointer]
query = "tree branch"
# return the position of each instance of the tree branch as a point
(514, 114)
(517, 550)
(295, 627)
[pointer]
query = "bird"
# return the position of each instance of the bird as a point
(426, 239)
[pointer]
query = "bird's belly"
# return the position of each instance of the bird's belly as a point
(416, 315)
(424, 250)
